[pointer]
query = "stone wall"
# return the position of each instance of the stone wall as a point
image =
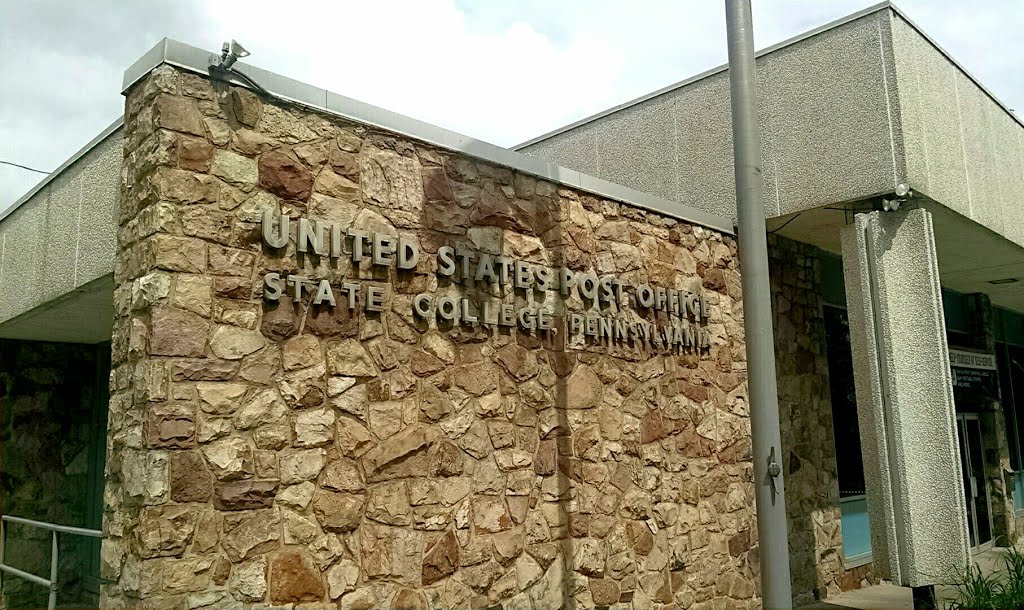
(297, 454)
(50, 394)
(805, 413)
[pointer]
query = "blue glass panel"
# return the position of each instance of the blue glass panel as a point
(1018, 490)
(856, 528)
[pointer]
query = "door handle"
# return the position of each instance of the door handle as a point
(974, 487)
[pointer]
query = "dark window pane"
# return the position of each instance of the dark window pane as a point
(844, 403)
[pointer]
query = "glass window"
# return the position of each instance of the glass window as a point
(849, 465)
(844, 403)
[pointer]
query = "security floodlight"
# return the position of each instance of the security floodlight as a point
(902, 189)
(230, 53)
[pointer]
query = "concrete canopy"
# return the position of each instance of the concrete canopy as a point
(57, 249)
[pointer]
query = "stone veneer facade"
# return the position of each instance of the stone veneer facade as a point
(805, 415)
(291, 454)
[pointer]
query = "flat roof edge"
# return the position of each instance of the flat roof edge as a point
(196, 60)
(103, 135)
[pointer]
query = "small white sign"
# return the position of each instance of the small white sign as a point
(972, 360)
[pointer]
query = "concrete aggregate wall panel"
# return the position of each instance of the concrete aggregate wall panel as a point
(963, 148)
(827, 116)
(824, 108)
(703, 130)
(63, 236)
(24, 255)
(61, 231)
(100, 191)
(979, 150)
(642, 138)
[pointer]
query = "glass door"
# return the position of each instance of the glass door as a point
(979, 514)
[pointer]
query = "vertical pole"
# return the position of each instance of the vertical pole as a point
(52, 604)
(772, 528)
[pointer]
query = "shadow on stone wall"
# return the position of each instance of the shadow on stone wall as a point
(49, 397)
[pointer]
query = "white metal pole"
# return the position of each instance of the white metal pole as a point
(770, 490)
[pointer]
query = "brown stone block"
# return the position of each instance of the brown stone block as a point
(294, 577)
(190, 480)
(441, 559)
(170, 425)
(445, 459)
(175, 332)
(280, 320)
(545, 461)
(233, 288)
(604, 592)
(245, 495)
(194, 154)
(284, 176)
(338, 512)
(245, 106)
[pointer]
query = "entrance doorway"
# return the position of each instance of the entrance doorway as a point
(972, 456)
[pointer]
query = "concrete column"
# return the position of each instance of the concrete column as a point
(905, 398)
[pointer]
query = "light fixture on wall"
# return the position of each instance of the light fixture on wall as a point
(1005, 280)
(902, 194)
(229, 54)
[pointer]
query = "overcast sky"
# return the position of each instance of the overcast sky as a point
(502, 71)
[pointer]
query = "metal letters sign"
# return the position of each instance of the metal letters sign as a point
(606, 299)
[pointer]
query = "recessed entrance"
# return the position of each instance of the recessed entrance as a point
(972, 456)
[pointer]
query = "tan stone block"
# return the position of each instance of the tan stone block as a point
(490, 514)
(338, 512)
(392, 456)
(251, 533)
(314, 428)
(302, 465)
(266, 407)
(178, 253)
(388, 503)
(245, 106)
(342, 578)
(305, 387)
(301, 352)
(230, 261)
(165, 530)
(220, 398)
(235, 169)
(349, 358)
(233, 343)
(353, 439)
(178, 114)
(229, 459)
(299, 529)
(249, 580)
(262, 366)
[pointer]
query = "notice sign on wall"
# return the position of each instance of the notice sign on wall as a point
(974, 374)
(607, 300)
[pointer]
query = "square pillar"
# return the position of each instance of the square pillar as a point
(905, 398)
